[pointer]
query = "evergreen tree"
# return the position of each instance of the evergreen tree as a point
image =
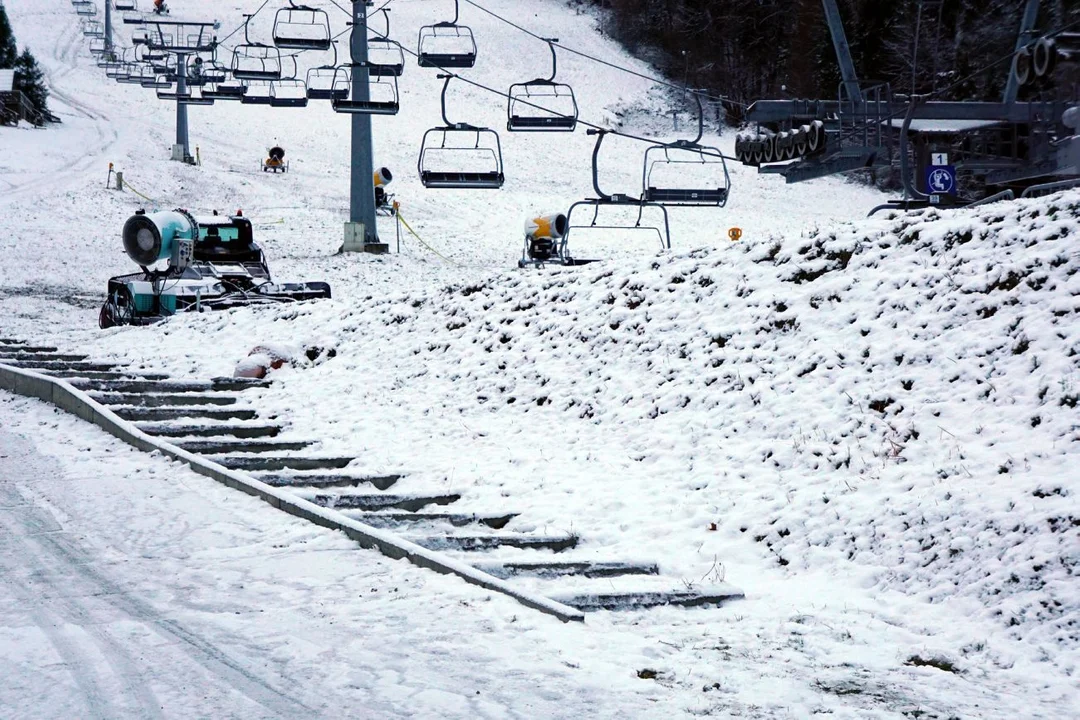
(8, 52)
(31, 82)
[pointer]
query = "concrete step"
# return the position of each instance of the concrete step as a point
(64, 366)
(394, 520)
(20, 355)
(99, 375)
(412, 503)
(210, 447)
(148, 414)
(162, 399)
(169, 386)
(554, 568)
(281, 462)
(327, 480)
(629, 600)
(20, 346)
(473, 543)
(222, 429)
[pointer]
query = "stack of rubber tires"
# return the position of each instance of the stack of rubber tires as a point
(765, 147)
(1035, 63)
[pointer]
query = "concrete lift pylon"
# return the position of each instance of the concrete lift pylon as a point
(361, 232)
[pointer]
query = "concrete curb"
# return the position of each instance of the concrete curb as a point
(66, 397)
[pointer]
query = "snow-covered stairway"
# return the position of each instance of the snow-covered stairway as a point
(214, 419)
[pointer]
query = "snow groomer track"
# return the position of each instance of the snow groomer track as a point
(213, 427)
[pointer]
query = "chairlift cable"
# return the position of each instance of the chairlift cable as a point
(507, 96)
(706, 96)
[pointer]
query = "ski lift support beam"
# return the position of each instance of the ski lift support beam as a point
(361, 233)
(183, 44)
(843, 51)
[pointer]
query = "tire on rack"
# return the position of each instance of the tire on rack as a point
(1021, 68)
(768, 149)
(800, 140)
(815, 137)
(1044, 57)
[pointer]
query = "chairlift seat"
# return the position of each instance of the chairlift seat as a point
(201, 100)
(464, 180)
(670, 196)
(225, 92)
(170, 93)
(430, 34)
(349, 106)
(288, 94)
(378, 49)
(125, 5)
(300, 27)
(255, 61)
(447, 60)
(322, 84)
(385, 104)
(550, 122)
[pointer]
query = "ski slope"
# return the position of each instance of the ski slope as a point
(868, 426)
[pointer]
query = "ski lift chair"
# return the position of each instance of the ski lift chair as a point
(320, 80)
(439, 143)
(321, 83)
(385, 56)
(257, 92)
(94, 29)
(382, 93)
(151, 80)
(288, 92)
(97, 46)
(299, 27)
(446, 45)
(225, 90)
(85, 9)
(140, 36)
(683, 155)
(255, 60)
(133, 17)
(171, 92)
(126, 5)
(196, 96)
(602, 199)
(214, 73)
(542, 104)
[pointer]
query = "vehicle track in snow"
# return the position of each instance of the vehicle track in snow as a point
(65, 52)
(115, 646)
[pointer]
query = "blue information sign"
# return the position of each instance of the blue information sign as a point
(941, 179)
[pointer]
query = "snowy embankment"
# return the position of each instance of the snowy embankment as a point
(892, 402)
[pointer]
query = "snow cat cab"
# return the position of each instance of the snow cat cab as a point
(275, 160)
(213, 263)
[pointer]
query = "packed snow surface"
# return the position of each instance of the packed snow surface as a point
(869, 426)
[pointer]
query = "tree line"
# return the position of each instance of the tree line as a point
(747, 50)
(29, 79)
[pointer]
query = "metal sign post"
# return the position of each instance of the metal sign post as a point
(361, 233)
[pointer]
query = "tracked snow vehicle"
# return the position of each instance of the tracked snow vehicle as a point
(213, 262)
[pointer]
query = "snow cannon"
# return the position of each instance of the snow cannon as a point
(170, 234)
(214, 263)
(542, 236)
(383, 177)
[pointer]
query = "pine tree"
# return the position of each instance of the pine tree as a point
(8, 52)
(31, 82)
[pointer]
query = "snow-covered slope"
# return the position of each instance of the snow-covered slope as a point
(869, 427)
